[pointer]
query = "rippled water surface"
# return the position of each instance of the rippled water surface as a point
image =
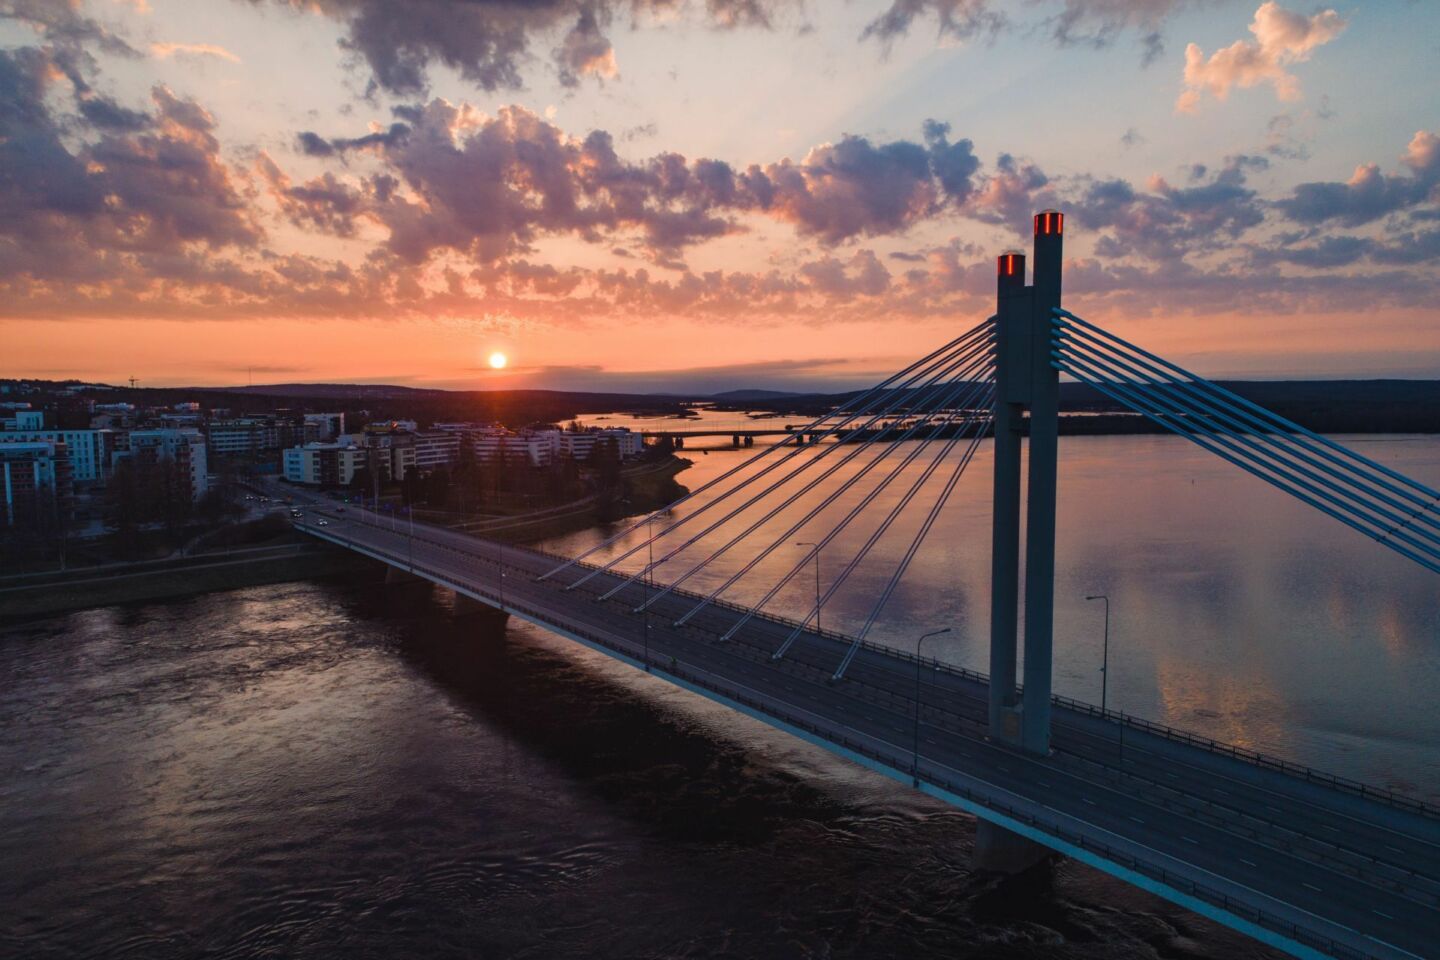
(325, 770)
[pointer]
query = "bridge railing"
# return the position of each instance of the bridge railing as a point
(1299, 770)
(866, 747)
(1256, 758)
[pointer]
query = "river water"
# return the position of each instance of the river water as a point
(328, 770)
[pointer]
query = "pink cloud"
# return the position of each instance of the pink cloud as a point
(1282, 38)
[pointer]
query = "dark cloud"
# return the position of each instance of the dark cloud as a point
(1370, 194)
(61, 23)
(857, 188)
(585, 51)
(1165, 222)
(959, 19)
(106, 114)
(140, 184)
(1098, 23)
(489, 186)
(313, 145)
(489, 41)
(864, 275)
(1012, 194)
(1094, 23)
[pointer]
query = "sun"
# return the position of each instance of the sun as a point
(498, 360)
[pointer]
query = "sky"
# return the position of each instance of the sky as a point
(655, 195)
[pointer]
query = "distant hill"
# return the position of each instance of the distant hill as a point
(755, 395)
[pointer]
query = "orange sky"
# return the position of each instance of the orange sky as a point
(197, 199)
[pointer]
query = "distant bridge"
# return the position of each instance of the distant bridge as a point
(1314, 864)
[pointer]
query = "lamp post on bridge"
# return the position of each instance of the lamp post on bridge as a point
(915, 751)
(804, 543)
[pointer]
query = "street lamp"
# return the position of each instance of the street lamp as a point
(915, 753)
(804, 543)
(1105, 655)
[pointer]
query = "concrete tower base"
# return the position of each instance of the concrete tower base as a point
(998, 850)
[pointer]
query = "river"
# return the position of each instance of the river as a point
(328, 770)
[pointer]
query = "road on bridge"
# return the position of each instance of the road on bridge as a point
(1294, 859)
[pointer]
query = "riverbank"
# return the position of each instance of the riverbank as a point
(297, 557)
(61, 591)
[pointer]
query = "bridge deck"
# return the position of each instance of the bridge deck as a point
(1316, 868)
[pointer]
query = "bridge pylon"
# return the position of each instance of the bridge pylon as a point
(1027, 388)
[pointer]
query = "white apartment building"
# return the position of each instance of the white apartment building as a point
(579, 446)
(542, 446)
(436, 449)
(89, 450)
(242, 438)
(185, 446)
(328, 464)
(31, 475)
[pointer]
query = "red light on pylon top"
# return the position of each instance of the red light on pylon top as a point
(1011, 263)
(1049, 223)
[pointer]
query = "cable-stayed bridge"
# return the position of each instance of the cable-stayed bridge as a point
(1314, 864)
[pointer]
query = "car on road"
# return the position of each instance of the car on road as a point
(322, 523)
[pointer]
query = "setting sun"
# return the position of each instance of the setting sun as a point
(498, 360)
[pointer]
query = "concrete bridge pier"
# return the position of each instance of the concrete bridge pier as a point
(735, 440)
(480, 611)
(998, 850)
(398, 577)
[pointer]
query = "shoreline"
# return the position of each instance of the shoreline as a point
(27, 596)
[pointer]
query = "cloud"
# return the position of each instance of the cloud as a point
(1097, 23)
(489, 41)
(489, 186)
(1012, 194)
(585, 52)
(957, 19)
(313, 145)
(1370, 194)
(61, 23)
(1282, 38)
(140, 185)
(863, 275)
(1164, 222)
(1092, 23)
(165, 51)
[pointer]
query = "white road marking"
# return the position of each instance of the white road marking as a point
(1089, 801)
(1137, 819)
(1248, 863)
(1310, 885)
(1188, 839)
(1379, 914)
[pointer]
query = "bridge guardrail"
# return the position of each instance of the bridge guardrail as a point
(1290, 768)
(1183, 884)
